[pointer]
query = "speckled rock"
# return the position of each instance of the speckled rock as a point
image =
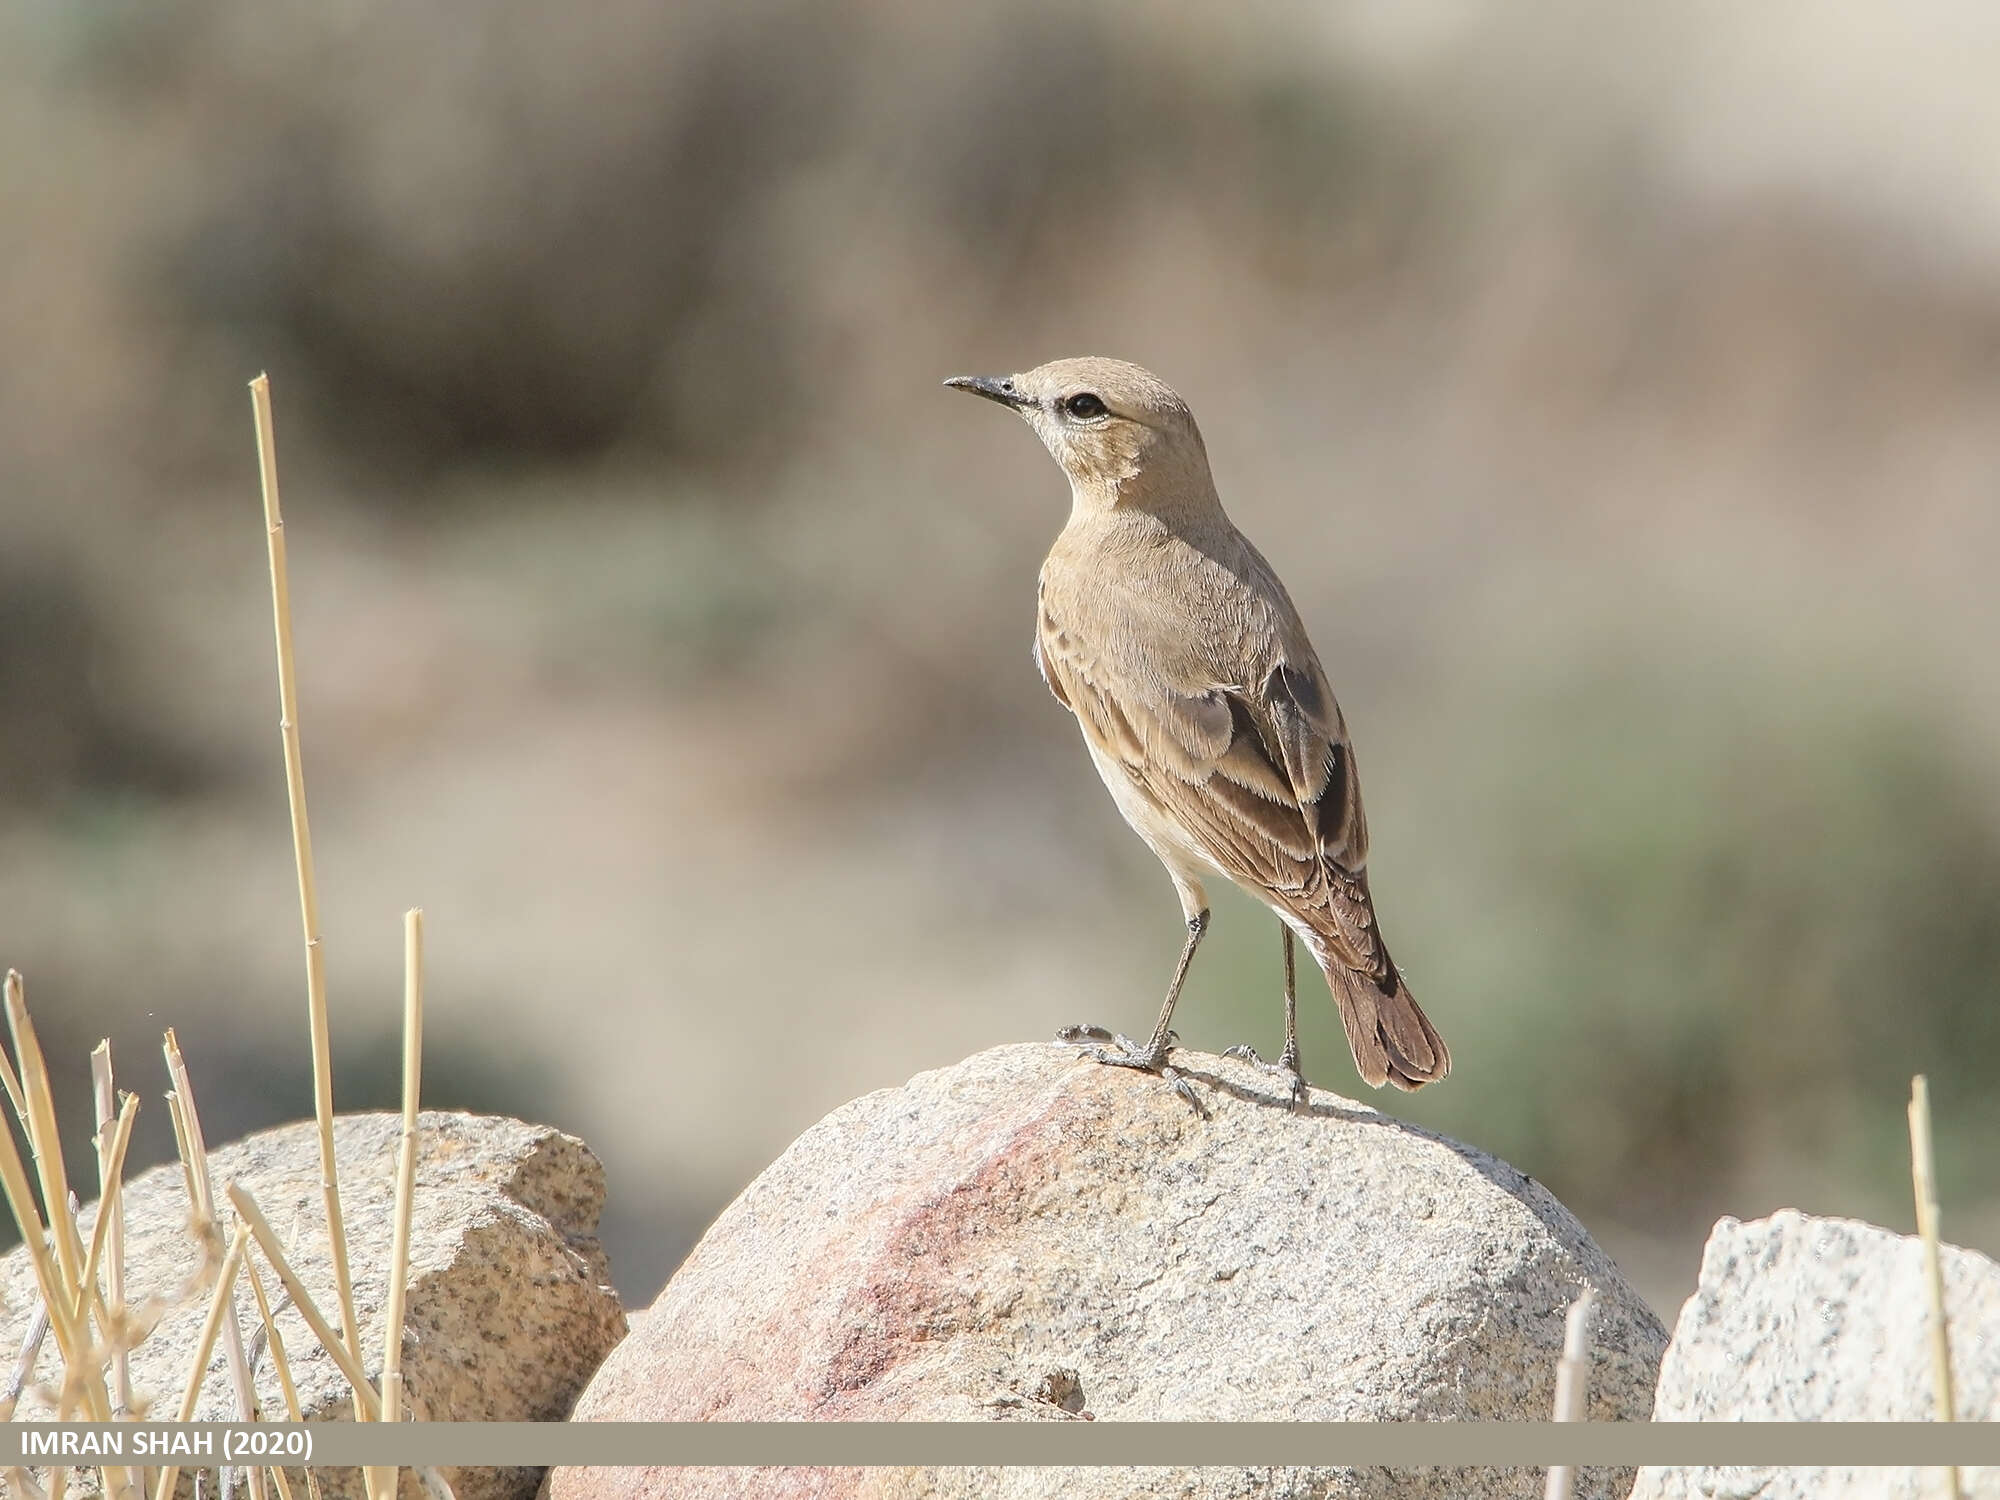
(1029, 1237)
(1801, 1319)
(509, 1306)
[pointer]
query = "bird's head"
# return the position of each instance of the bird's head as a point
(1121, 433)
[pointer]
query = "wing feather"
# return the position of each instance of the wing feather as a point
(1254, 765)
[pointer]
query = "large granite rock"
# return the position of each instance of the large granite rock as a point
(1029, 1237)
(1799, 1319)
(509, 1310)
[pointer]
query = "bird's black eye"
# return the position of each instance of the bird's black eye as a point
(1083, 406)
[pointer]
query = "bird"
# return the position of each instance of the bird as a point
(1206, 712)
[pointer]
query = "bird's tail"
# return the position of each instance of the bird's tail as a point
(1393, 1041)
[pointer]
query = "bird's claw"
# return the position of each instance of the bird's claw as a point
(1126, 1053)
(1185, 1089)
(1287, 1064)
(1084, 1034)
(1119, 1051)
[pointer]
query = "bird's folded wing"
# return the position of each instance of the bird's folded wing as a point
(1258, 774)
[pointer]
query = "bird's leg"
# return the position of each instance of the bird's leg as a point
(1288, 1060)
(1123, 1052)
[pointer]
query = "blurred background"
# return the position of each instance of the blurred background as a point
(1616, 386)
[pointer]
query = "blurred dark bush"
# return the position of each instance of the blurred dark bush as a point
(521, 240)
(81, 732)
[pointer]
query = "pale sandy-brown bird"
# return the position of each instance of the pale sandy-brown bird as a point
(1205, 708)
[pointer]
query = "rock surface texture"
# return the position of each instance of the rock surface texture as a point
(1798, 1319)
(1028, 1237)
(509, 1307)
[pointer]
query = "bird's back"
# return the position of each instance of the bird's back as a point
(1182, 656)
(1189, 670)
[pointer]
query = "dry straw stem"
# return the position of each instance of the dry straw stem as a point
(218, 1306)
(42, 1135)
(204, 1225)
(195, 1143)
(279, 1362)
(87, 1299)
(7, 1075)
(111, 1162)
(218, 1310)
(58, 1290)
(295, 792)
(1923, 1174)
(48, 1278)
(365, 1399)
(24, 1362)
(383, 1481)
(272, 1337)
(1572, 1384)
(111, 1211)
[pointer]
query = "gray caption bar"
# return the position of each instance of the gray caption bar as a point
(1390, 1444)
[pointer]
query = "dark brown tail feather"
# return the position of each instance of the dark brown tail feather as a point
(1393, 1041)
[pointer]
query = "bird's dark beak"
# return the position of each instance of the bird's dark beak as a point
(993, 387)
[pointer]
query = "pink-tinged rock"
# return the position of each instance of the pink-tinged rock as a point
(1028, 1237)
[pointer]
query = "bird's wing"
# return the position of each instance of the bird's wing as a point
(1250, 757)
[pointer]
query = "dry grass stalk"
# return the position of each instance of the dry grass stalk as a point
(383, 1481)
(203, 1224)
(67, 1274)
(34, 1237)
(1572, 1385)
(65, 1412)
(111, 1161)
(295, 792)
(278, 1358)
(219, 1305)
(54, 1247)
(1923, 1175)
(42, 1136)
(88, 1302)
(195, 1145)
(10, 1079)
(365, 1398)
(111, 1212)
(276, 1343)
(218, 1309)
(24, 1362)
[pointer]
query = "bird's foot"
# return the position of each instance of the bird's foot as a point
(1287, 1064)
(1119, 1051)
(1084, 1034)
